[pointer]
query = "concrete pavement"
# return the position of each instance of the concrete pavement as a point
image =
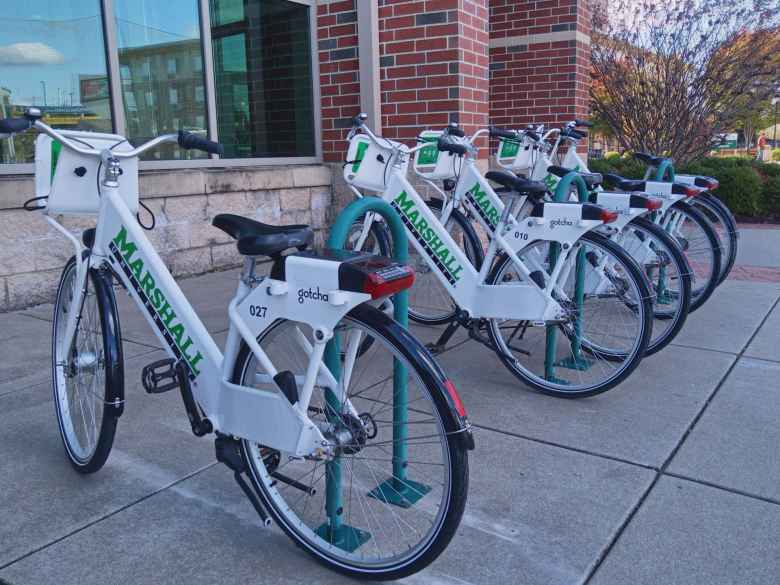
(671, 478)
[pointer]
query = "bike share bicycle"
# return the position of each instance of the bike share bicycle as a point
(312, 427)
(656, 251)
(530, 293)
(679, 216)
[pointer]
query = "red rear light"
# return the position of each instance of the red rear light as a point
(387, 282)
(692, 191)
(653, 204)
(712, 184)
(608, 216)
(450, 387)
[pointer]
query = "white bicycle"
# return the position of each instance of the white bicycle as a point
(361, 461)
(533, 292)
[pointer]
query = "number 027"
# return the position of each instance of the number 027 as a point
(257, 311)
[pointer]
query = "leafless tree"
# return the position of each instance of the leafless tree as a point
(670, 75)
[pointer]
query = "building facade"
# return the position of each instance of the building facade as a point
(275, 81)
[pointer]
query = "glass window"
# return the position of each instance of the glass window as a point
(150, 35)
(263, 77)
(52, 56)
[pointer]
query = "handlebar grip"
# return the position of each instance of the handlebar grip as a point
(190, 141)
(451, 147)
(14, 125)
(499, 133)
(532, 135)
(584, 123)
(455, 131)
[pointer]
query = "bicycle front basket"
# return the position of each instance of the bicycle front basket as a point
(430, 163)
(368, 166)
(515, 155)
(71, 181)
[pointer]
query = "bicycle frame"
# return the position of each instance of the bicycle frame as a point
(264, 416)
(527, 301)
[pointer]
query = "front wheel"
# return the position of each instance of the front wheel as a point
(721, 218)
(87, 380)
(391, 500)
(606, 329)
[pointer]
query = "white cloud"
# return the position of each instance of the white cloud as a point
(30, 54)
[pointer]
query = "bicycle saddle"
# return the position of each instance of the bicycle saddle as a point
(649, 159)
(260, 239)
(623, 183)
(521, 186)
(592, 180)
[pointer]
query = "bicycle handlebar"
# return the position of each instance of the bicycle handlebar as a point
(185, 140)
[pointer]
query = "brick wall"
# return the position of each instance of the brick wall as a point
(433, 65)
(539, 61)
(338, 76)
(32, 253)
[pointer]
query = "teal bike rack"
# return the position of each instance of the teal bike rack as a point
(576, 361)
(398, 490)
(663, 296)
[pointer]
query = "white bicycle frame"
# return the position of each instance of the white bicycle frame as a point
(261, 415)
(525, 300)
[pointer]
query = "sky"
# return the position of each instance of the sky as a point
(57, 40)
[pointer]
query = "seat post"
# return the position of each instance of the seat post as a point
(248, 275)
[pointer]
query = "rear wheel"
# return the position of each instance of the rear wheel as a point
(394, 509)
(721, 218)
(88, 378)
(665, 267)
(700, 245)
(601, 340)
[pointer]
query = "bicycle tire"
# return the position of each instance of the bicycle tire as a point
(715, 209)
(111, 390)
(673, 322)
(712, 243)
(629, 360)
(387, 333)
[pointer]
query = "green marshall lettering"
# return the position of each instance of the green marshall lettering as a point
(425, 233)
(481, 201)
(162, 308)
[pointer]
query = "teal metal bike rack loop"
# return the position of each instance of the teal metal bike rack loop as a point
(665, 167)
(397, 490)
(576, 361)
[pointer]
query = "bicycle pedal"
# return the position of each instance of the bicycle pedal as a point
(287, 384)
(160, 376)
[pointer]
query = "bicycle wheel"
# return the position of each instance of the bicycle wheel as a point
(602, 338)
(429, 301)
(725, 226)
(88, 382)
(700, 245)
(665, 267)
(389, 526)
(377, 240)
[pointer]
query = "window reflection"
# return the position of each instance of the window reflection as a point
(161, 67)
(263, 77)
(52, 57)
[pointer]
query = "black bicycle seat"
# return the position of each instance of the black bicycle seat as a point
(260, 239)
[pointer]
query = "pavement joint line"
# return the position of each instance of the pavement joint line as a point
(107, 516)
(566, 447)
(686, 346)
(724, 488)
(662, 471)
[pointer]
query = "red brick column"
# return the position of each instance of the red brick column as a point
(339, 74)
(434, 65)
(539, 61)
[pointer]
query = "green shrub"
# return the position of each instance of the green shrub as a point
(741, 190)
(776, 154)
(771, 194)
(749, 188)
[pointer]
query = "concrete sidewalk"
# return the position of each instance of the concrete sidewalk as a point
(673, 478)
